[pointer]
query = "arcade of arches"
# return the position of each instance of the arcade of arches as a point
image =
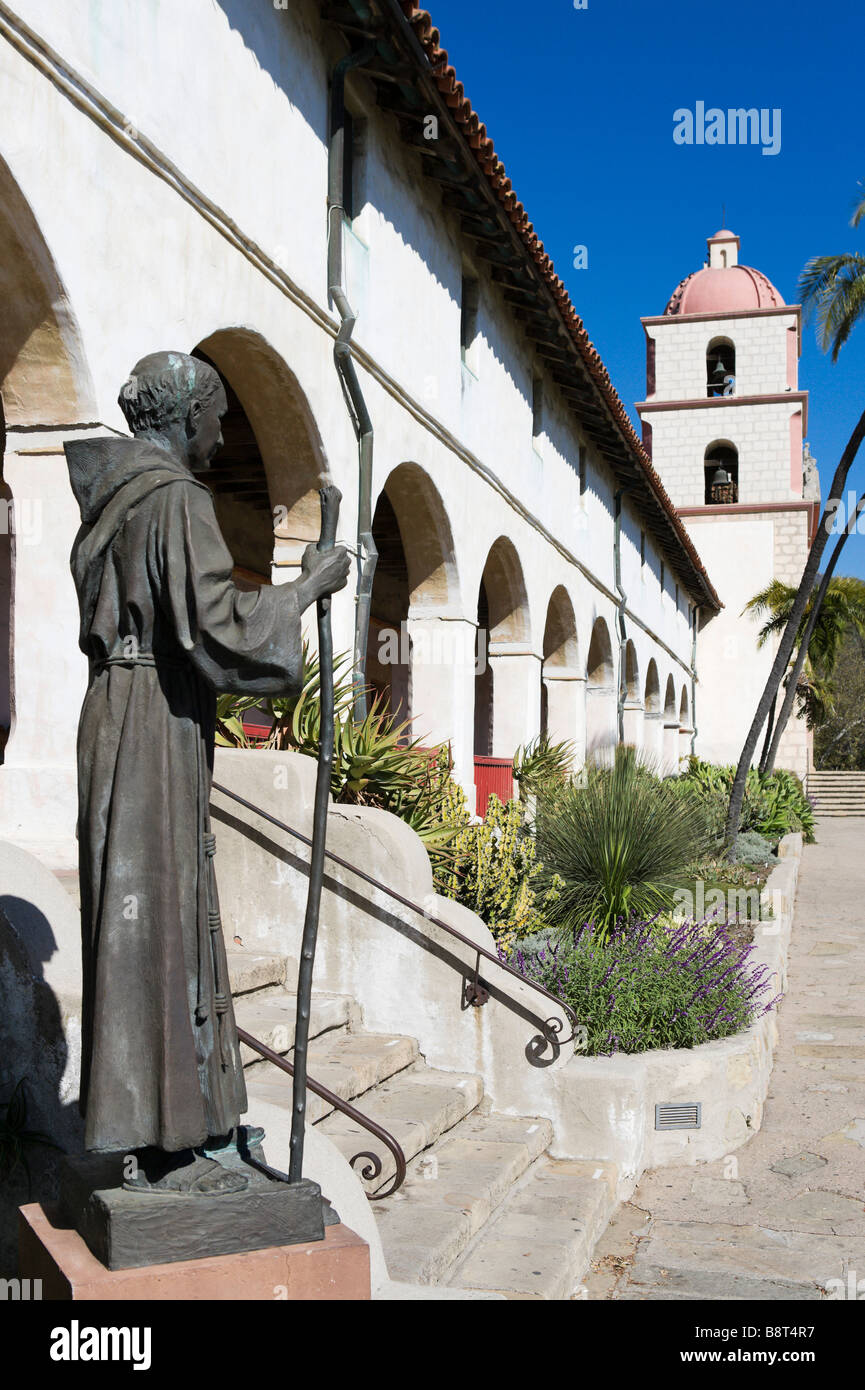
(266, 494)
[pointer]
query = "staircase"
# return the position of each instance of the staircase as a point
(483, 1206)
(837, 793)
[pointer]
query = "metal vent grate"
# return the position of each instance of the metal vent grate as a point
(685, 1116)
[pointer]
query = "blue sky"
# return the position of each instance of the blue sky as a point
(580, 106)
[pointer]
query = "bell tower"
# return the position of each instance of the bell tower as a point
(724, 421)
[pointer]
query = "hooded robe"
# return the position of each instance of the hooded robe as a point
(163, 628)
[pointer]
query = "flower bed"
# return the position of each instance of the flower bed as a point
(653, 984)
(606, 1105)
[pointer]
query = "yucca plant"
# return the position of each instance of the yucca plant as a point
(615, 846)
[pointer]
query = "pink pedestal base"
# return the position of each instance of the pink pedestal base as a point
(336, 1268)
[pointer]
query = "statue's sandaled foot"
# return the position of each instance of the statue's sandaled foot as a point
(197, 1176)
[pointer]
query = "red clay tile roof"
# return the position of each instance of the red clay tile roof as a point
(484, 151)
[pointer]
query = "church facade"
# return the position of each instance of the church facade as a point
(540, 568)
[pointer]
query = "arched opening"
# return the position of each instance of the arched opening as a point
(507, 685)
(721, 472)
(46, 391)
(43, 376)
(720, 368)
(239, 485)
(266, 478)
(561, 679)
(671, 730)
(413, 652)
(483, 680)
(685, 729)
(632, 722)
(388, 653)
(653, 717)
(601, 730)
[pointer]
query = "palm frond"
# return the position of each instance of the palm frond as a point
(833, 289)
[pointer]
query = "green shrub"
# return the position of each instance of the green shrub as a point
(494, 869)
(752, 848)
(656, 985)
(616, 844)
(773, 805)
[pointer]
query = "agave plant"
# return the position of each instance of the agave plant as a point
(615, 846)
(540, 767)
(375, 763)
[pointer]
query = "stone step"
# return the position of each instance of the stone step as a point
(248, 972)
(416, 1107)
(269, 1016)
(450, 1192)
(349, 1064)
(851, 788)
(840, 776)
(855, 793)
(539, 1244)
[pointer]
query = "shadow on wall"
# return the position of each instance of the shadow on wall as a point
(39, 1046)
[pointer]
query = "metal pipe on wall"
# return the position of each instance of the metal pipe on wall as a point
(623, 599)
(367, 555)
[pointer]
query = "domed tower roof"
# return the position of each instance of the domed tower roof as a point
(723, 286)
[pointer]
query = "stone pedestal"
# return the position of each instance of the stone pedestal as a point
(333, 1269)
(125, 1229)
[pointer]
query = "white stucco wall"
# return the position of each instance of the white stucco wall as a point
(176, 199)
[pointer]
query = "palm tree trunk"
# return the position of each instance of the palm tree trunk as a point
(788, 637)
(770, 724)
(787, 707)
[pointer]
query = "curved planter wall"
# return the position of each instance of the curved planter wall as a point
(606, 1106)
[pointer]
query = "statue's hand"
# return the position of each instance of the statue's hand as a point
(324, 572)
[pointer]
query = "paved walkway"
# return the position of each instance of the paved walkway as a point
(784, 1216)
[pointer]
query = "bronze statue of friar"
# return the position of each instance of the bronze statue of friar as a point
(164, 629)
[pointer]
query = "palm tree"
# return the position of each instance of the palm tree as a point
(842, 610)
(834, 288)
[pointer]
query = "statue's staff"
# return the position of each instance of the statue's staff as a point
(330, 500)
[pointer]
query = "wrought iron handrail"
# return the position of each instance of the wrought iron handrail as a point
(477, 991)
(373, 1167)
